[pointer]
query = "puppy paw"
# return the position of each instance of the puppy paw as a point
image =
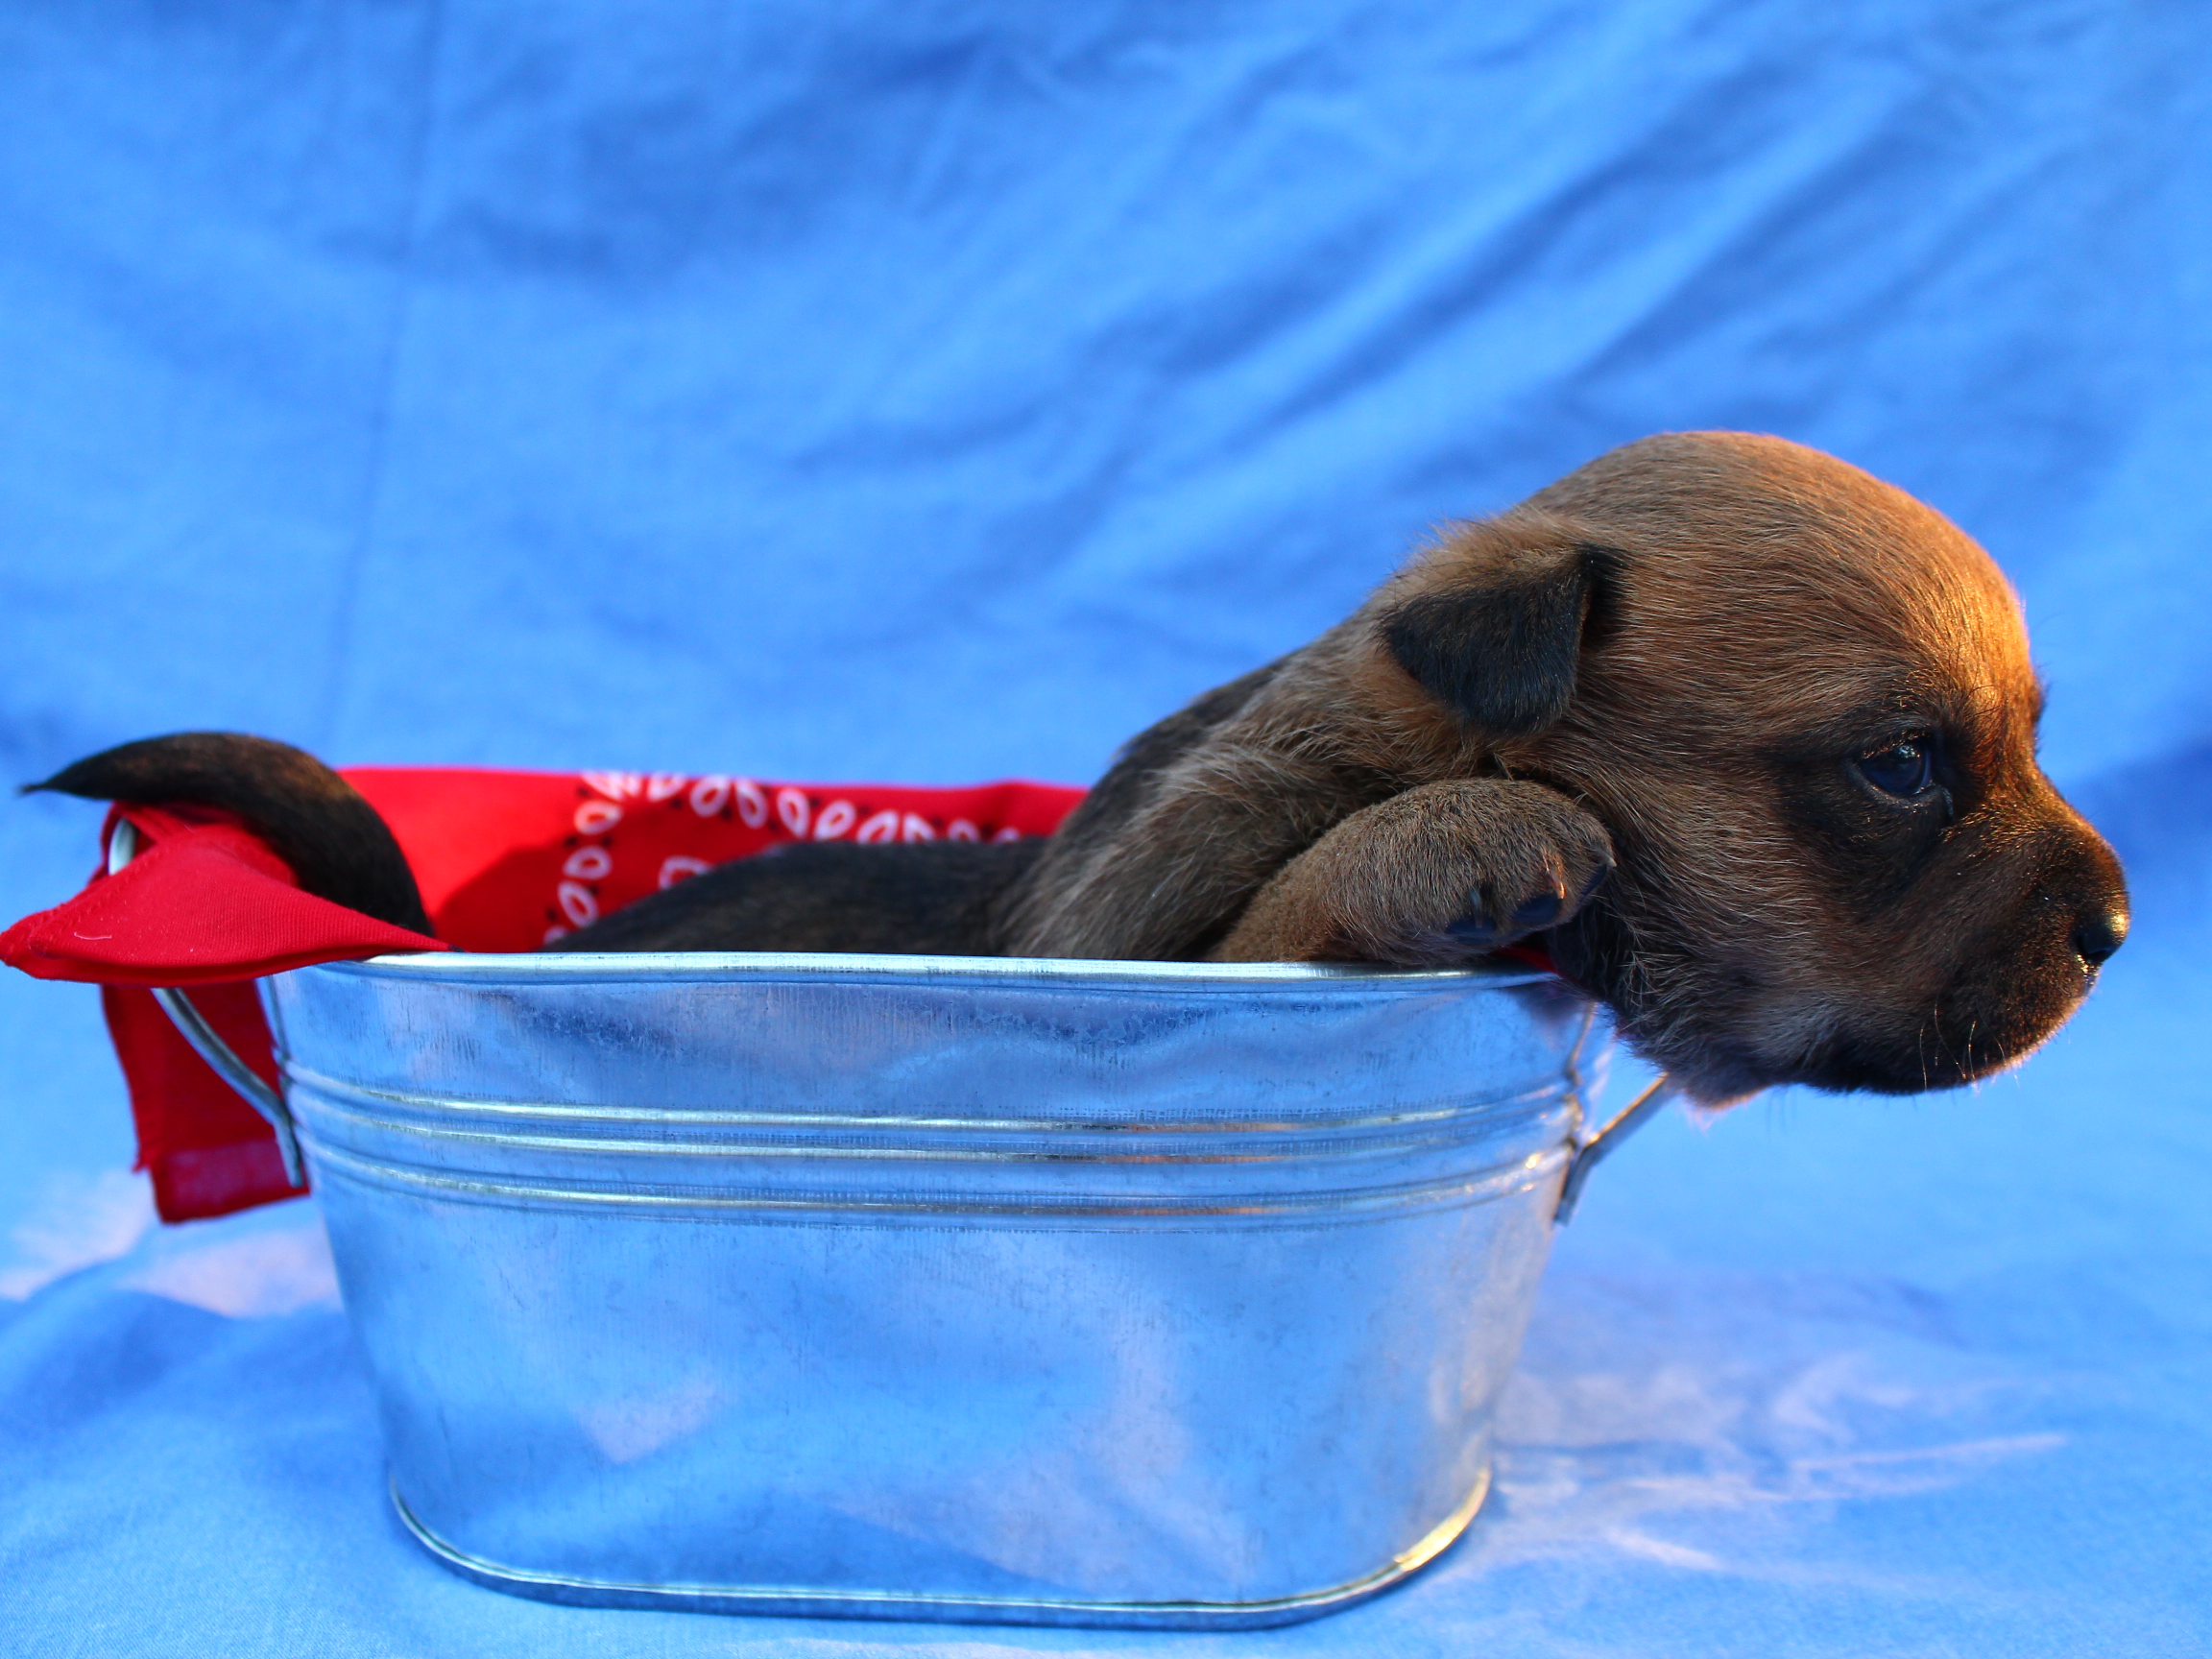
(1436, 876)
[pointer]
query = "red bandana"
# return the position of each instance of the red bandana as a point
(505, 860)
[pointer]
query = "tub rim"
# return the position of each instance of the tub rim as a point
(645, 966)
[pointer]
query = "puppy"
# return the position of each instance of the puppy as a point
(1744, 738)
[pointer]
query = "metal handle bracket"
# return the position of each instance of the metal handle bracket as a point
(1591, 1151)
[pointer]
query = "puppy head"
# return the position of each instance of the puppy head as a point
(1802, 703)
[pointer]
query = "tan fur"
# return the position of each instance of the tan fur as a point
(1762, 614)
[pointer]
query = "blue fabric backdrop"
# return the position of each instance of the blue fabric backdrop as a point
(932, 391)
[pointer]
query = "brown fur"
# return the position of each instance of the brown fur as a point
(1748, 617)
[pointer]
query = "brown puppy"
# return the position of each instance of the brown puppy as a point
(1788, 708)
(1744, 736)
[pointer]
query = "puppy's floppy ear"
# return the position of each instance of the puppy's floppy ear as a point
(1491, 622)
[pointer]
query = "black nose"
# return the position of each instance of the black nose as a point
(2101, 932)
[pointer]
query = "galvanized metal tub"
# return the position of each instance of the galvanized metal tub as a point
(1043, 1292)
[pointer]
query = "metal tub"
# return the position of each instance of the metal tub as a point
(934, 1287)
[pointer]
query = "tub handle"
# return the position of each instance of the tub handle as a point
(192, 1025)
(1589, 1152)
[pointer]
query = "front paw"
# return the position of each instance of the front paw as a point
(1455, 870)
(1438, 876)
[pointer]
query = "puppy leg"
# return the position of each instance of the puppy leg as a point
(1436, 876)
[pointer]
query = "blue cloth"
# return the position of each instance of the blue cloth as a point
(939, 390)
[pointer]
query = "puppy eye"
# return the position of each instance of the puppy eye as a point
(1905, 769)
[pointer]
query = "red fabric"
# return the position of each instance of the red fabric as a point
(506, 862)
(510, 860)
(205, 901)
(208, 1152)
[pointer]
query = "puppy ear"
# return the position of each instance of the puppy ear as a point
(1492, 622)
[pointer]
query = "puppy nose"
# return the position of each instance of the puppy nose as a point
(2101, 932)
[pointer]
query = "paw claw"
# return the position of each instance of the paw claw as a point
(1475, 928)
(1539, 912)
